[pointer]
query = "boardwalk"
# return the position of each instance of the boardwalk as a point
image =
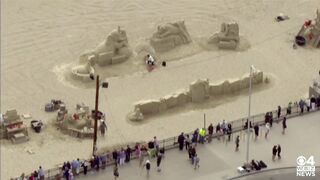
(218, 160)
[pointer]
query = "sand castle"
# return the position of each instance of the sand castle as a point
(169, 36)
(228, 37)
(115, 49)
(78, 124)
(198, 92)
(310, 33)
(13, 127)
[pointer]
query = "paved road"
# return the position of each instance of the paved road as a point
(218, 160)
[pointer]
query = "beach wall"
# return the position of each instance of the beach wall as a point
(198, 92)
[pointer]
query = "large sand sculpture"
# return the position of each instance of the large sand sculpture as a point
(310, 33)
(169, 36)
(115, 49)
(198, 92)
(228, 37)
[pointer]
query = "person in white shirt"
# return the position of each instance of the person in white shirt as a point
(267, 129)
(150, 60)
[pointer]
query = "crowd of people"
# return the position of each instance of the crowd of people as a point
(144, 152)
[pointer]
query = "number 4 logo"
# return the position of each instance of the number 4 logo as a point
(311, 161)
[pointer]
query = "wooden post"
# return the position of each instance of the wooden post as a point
(204, 120)
(96, 118)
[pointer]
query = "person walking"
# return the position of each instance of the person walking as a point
(229, 131)
(256, 131)
(181, 141)
(274, 152)
(148, 167)
(97, 162)
(31, 177)
(139, 154)
(237, 143)
(188, 141)
(193, 153)
(284, 125)
(271, 118)
(210, 130)
(128, 153)
(35, 175)
(115, 156)
(115, 171)
(67, 174)
(279, 112)
(196, 161)
(85, 167)
(103, 127)
(122, 156)
(156, 144)
(313, 103)
(267, 130)
(159, 158)
(104, 160)
(41, 173)
(195, 137)
(289, 108)
(218, 130)
(74, 165)
(224, 128)
(202, 135)
(279, 151)
(190, 152)
(308, 104)
(70, 175)
(301, 105)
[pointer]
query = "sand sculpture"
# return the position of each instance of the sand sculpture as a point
(169, 36)
(310, 32)
(83, 71)
(198, 92)
(228, 37)
(78, 124)
(13, 127)
(115, 49)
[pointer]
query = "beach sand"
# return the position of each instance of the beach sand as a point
(40, 40)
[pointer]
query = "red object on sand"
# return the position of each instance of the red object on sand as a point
(75, 116)
(307, 23)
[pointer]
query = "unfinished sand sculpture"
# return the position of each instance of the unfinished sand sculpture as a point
(85, 70)
(78, 124)
(169, 36)
(13, 127)
(115, 49)
(198, 92)
(310, 33)
(228, 37)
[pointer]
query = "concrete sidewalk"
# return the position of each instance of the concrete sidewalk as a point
(218, 160)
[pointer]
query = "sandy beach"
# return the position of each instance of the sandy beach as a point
(40, 40)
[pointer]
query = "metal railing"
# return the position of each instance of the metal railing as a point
(170, 143)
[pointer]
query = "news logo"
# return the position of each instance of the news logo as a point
(306, 167)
